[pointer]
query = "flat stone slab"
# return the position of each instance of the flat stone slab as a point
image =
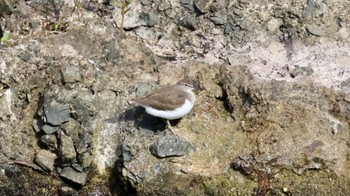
(169, 145)
(66, 148)
(48, 129)
(74, 176)
(57, 113)
(45, 159)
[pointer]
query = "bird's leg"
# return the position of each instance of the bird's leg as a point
(168, 125)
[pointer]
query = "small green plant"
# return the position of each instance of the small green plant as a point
(78, 7)
(123, 10)
(5, 38)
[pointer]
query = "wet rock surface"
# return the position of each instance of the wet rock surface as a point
(272, 112)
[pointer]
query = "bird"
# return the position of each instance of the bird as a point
(170, 102)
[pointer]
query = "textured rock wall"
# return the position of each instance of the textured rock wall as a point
(272, 116)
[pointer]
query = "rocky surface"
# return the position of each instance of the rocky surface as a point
(45, 159)
(271, 118)
(169, 145)
(73, 175)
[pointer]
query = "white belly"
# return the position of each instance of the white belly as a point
(171, 114)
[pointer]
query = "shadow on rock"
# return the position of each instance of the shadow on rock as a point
(145, 123)
(118, 184)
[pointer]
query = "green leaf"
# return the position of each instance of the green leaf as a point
(5, 37)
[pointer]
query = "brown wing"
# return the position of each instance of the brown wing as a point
(164, 99)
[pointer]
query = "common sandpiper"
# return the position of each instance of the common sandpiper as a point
(170, 102)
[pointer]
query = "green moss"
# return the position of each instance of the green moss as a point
(175, 184)
(25, 181)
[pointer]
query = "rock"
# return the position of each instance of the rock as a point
(5, 9)
(323, 8)
(132, 16)
(83, 105)
(72, 129)
(170, 13)
(150, 18)
(33, 47)
(56, 113)
(297, 71)
(71, 74)
(164, 5)
(219, 20)
(146, 2)
(26, 56)
(68, 191)
(216, 31)
(203, 5)
(136, 17)
(3, 176)
(228, 29)
(48, 60)
(113, 55)
(59, 169)
(345, 83)
(316, 30)
(78, 167)
(274, 24)
(344, 33)
(74, 176)
(185, 1)
(45, 159)
(347, 98)
(244, 163)
(237, 11)
(5, 104)
(127, 157)
(49, 129)
(247, 24)
(188, 22)
(145, 33)
(85, 140)
(37, 124)
(187, 4)
(66, 148)
(50, 142)
(218, 5)
(169, 144)
(309, 9)
(144, 89)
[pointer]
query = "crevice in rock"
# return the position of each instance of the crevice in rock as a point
(117, 182)
(224, 98)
